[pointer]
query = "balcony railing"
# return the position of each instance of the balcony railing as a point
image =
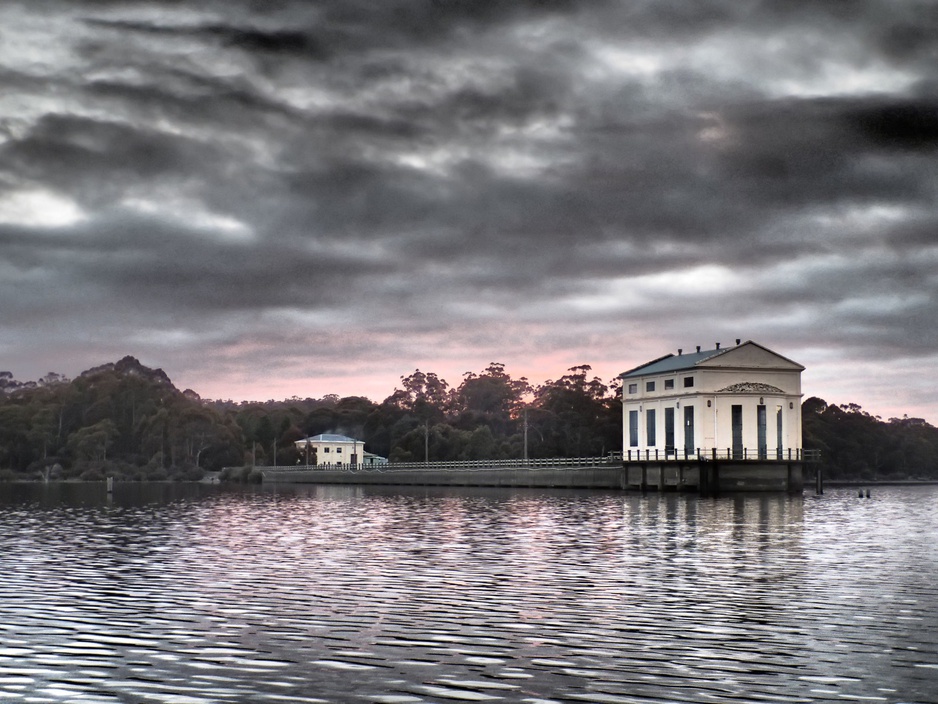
(728, 453)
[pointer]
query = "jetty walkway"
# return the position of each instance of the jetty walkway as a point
(706, 473)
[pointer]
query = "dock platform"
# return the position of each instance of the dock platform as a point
(703, 475)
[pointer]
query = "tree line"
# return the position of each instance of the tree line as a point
(857, 445)
(129, 421)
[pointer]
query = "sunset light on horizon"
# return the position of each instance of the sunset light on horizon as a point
(269, 200)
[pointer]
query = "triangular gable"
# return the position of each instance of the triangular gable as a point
(750, 355)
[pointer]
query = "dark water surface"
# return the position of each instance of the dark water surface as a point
(197, 594)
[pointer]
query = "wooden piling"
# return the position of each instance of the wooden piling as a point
(703, 480)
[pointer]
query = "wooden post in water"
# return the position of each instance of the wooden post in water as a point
(818, 481)
(110, 485)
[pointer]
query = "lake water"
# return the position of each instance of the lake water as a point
(197, 594)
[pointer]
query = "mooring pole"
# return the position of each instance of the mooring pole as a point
(525, 436)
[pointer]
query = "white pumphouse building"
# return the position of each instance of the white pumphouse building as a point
(741, 402)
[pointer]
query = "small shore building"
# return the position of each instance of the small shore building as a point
(371, 460)
(330, 448)
(740, 402)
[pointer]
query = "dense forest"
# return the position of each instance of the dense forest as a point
(129, 421)
(857, 445)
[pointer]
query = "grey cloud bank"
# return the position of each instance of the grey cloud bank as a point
(314, 197)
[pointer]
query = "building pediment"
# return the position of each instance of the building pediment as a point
(749, 355)
(750, 387)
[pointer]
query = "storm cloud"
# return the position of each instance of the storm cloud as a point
(300, 198)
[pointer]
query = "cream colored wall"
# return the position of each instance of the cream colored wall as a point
(713, 425)
(702, 423)
(660, 391)
(711, 380)
(333, 457)
(791, 421)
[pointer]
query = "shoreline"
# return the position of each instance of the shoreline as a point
(880, 482)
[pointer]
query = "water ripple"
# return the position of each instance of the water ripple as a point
(308, 594)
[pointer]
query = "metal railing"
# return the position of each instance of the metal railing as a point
(465, 465)
(614, 459)
(705, 454)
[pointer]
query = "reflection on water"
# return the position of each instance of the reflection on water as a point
(196, 594)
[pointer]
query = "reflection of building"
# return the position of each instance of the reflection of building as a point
(329, 448)
(743, 400)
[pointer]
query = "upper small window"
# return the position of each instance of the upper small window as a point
(649, 386)
(669, 383)
(325, 449)
(338, 449)
(633, 388)
(688, 382)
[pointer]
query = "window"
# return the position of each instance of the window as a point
(688, 382)
(633, 388)
(633, 428)
(669, 383)
(325, 449)
(651, 427)
(338, 449)
(649, 386)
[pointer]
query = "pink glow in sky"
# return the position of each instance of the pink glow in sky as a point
(304, 198)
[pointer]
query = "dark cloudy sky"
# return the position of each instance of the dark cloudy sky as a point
(270, 198)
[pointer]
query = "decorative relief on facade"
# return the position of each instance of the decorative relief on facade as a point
(750, 387)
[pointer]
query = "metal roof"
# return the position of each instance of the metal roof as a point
(331, 437)
(673, 363)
